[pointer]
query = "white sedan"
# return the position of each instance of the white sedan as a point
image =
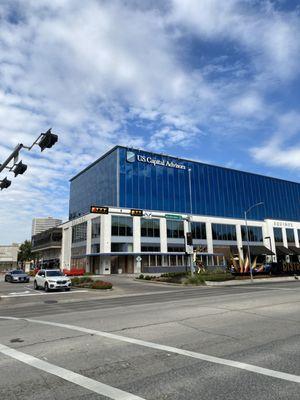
(50, 279)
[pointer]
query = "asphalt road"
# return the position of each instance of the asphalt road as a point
(147, 341)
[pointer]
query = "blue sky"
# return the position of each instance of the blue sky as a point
(217, 81)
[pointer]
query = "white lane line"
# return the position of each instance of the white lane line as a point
(200, 356)
(73, 377)
(23, 294)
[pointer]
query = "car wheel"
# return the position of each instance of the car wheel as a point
(35, 285)
(46, 287)
(5, 279)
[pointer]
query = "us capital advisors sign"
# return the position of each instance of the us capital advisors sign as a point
(132, 157)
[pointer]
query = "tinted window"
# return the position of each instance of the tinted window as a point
(150, 227)
(175, 229)
(278, 235)
(79, 233)
(121, 226)
(254, 232)
(290, 236)
(223, 232)
(198, 230)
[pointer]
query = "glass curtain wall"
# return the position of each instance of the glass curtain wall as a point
(216, 191)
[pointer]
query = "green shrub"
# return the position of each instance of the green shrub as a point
(101, 285)
(147, 277)
(197, 279)
(81, 280)
(174, 274)
(141, 276)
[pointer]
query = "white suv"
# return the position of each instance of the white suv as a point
(51, 279)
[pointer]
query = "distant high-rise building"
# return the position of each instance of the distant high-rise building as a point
(42, 224)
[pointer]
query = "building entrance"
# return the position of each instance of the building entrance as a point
(122, 265)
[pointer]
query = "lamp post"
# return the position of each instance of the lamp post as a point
(190, 223)
(247, 235)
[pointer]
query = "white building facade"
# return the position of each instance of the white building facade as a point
(118, 242)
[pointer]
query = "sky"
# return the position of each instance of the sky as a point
(211, 80)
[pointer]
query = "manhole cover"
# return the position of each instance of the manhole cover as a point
(50, 301)
(16, 340)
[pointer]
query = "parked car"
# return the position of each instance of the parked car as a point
(50, 279)
(16, 275)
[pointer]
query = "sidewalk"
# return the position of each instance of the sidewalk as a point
(248, 281)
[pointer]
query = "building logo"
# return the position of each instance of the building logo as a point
(130, 156)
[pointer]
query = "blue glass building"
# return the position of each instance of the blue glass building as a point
(132, 178)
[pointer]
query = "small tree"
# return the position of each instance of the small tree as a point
(25, 251)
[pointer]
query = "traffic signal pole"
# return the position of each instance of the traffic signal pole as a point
(44, 140)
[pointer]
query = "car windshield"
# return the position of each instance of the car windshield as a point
(17, 272)
(54, 273)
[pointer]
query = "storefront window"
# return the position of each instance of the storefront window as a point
(121, 226)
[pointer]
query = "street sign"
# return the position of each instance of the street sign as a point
(173, 216)
(147, 214)
(139, 258)
(189, 249)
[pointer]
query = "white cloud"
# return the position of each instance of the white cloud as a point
(265, 34)
(89, 69)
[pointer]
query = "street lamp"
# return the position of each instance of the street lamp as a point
(247, 235)
(190, 224)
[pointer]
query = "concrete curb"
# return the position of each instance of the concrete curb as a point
(248, 281)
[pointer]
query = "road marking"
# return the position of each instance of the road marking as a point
(200, 356)
(25, 294)
(70, 376)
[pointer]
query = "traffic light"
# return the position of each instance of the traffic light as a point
(189, 238)
(20, 168)
(5, 183)
(99, 210)
(136, 213)
(48, 140)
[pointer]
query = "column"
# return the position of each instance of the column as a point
(137, 245)
(209, 238)
(105, 243)
(88, 244)
(163, 236)
(239, 241)
(66, 248)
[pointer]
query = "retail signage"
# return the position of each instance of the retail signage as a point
(99, 210)
(283, 224)
(132, 157)
(173, 216)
